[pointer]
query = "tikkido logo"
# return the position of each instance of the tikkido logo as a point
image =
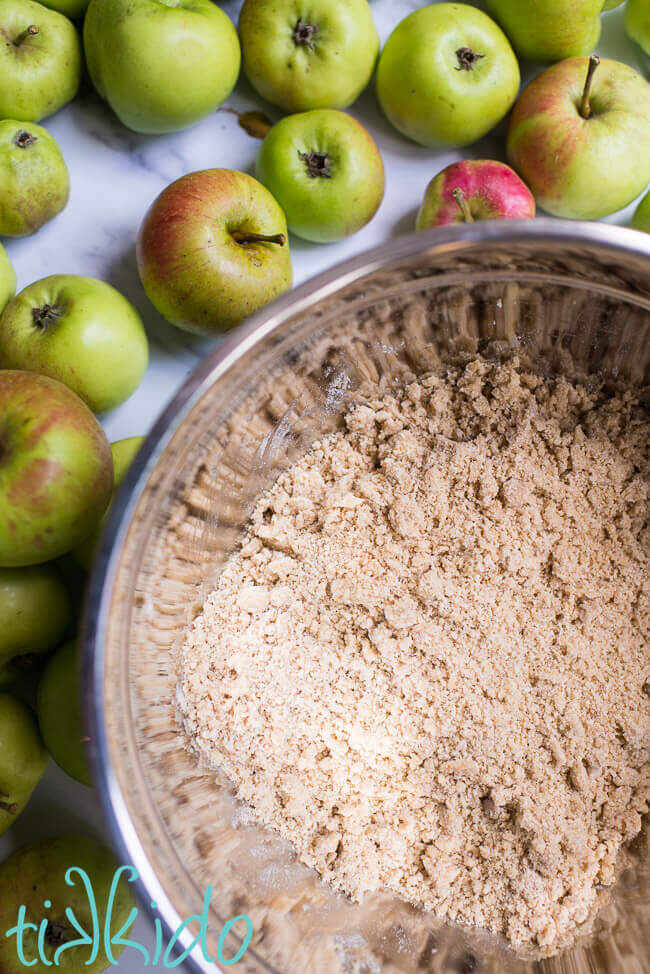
(100, 936)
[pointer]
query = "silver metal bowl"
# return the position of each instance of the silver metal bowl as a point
(572, 297)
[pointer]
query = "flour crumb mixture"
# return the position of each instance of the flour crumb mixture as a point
(427, 665)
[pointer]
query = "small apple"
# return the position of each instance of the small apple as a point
(641, 218)
(549, 30)
(161, 64)
(40, 60)
(23, 760)
(36, 613)
(325, 171)
(59, 714)
(74, 9)
(212, 249)
(637, 23)
(303, 54)
(80, 331)
(124, 452)
(56, 469)
(447, 75)
(579, 136)
(34, 181)
(475, 189)
(7, 279)
(33, 879)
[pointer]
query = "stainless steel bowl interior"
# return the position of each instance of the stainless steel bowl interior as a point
(570, 297)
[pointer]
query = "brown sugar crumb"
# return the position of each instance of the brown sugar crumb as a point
(427, 665)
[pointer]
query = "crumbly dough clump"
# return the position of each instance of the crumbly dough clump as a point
(427, 665)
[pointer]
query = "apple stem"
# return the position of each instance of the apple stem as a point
(303, 34)
(244, 237)
(463, 206)
(31, 31)
(467, 58)
(317, 163)
(585, 108)
(23, 139)
(45, 316)
(9, 807)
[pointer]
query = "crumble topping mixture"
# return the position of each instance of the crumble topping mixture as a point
(427, 666)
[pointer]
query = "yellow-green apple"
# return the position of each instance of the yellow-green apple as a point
(74, 9)
(7, 279)
(325, 171)
(475, 189)
(212, 249)
(304, 54)
(80, 331)
(61, 726)
(56, 469)
(549, 30)
(124, 452)
(161, 64)
(637, 22)
(447, 75)
(579, 136)
(23, 760)
(40, 60)
(37, 877)
(36, 613)
(641, 218)
(34, 182)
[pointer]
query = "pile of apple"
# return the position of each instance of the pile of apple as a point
(214, 247)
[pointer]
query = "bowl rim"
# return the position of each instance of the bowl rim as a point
(121, 829)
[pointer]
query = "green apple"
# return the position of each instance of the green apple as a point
(40, 60)
(59, 714)
(34, 181)
(23, 760)
(56, 469)
(641, 218)
(447, 75)
(161, 64)
(74, 9)
(637, 22)
(7, 279)
(213, 249)
(549, 30)
(325, 171)
(612, 4)
(80, 331)
(124, 452)
(303, 54)
(36, 613)
(579, 136)
(34, 878)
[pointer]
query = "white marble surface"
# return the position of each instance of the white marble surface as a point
(115, 175)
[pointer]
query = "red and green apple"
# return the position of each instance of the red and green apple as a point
(213, 249)
(475, 189)
(579, 136)
(56, 469)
